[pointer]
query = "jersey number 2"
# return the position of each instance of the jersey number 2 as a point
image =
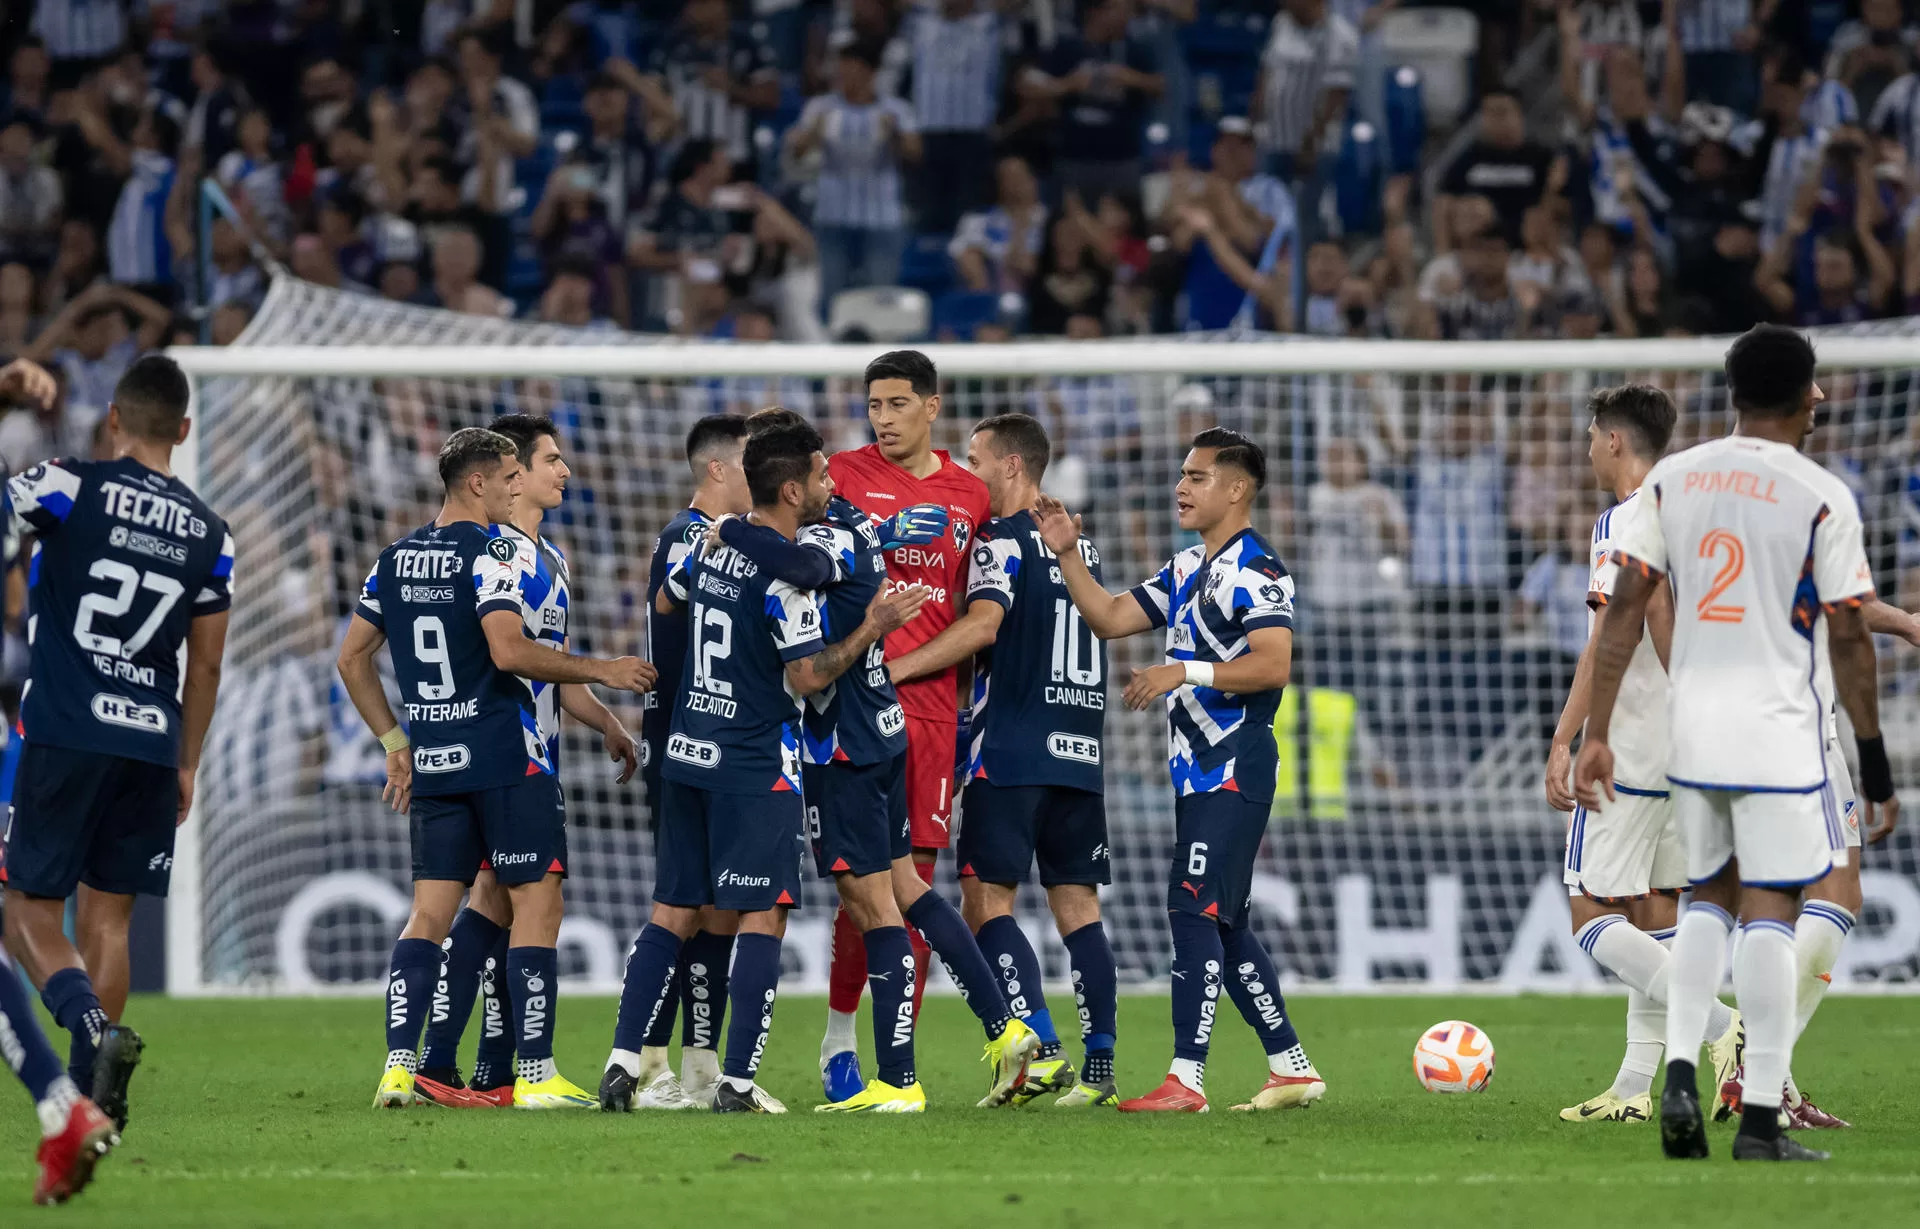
(1714, 544)
(116, 604)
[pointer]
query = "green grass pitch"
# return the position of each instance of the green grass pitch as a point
(255, 1112)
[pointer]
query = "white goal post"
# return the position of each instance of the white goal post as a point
(1426, 496)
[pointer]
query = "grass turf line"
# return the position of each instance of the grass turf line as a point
(255, 1112)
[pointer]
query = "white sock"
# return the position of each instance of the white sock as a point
(1288, 1062)
(1646, 1023)
(61, 1097)
(653, 1060)
(840, 1036)
(1764, 974)
(627, 1060)
(1631, 954)
(1719, 1019)
(737, 1084)
(1693, 977)
(410, 1059)
(1191, 1073)
(535, 1070)
(1817, 937)
(698, 1068)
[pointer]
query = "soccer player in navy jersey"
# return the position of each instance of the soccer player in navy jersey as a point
(1227, 605)
(475, 951)
(731, 811)
(128, 566)
(74, 1134)
(472, 767)
(1034, 787)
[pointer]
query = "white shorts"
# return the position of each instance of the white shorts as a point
(1782, 840)
(1845, 806)
(1627, 850)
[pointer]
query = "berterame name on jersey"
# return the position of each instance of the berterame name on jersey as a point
(124, 559)
(1040, 691)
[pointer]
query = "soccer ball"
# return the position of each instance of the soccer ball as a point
(1453, 1056)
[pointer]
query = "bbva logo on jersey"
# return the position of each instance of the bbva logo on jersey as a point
(118, 710)
(695, 751)
(441, 759)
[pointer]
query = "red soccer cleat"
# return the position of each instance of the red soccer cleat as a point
(67, 1159)
(1807, 1116)
(1729, 1104)
(500, 1098)
(448, 1097)
(1171, 1097)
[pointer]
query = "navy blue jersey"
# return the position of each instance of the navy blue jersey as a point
(1040, 693)
(124, 559)
(667, 634)
(736, 728)
(473, 726)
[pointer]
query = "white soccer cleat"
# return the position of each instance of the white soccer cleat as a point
(699, 1075)
(664, 1093)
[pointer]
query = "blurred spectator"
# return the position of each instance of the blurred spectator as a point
(91, 346)
(30, 198)
(1896, 113)
(616, 149)
(1545, 261)
(138, 253)
(19, 320)
(571, 226)
(1868, 54)
(691, 236)
(76, 264)
(255, 181)
(1640, 307)
(456, 275)
(327, 93)
(717, 74)
(1459, 520)
(25, 91)
(956, 89)
(213, 123)
(80, 35)
(313, 261)
(1357, 536)
(1789, 150)
(569, 297)
(862, 140)
(996, 249)
(1835, 293)
(1306, 76)
(1101, 80)
(1634, 150)
(1719, 38)
(1512, 172)
(233, 276)
(1250, 213)
(435, 205)
(1484, 308)
(1070, 286)
(1553, 593)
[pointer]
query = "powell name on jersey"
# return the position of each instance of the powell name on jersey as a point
(124, 559)
(1040, 693)
(736, 728)
(667, 634)
(1209, 606)
(545, 591)
(472, 724)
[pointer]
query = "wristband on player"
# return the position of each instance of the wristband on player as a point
(1876, 775)
(394, 740)
(1200, 673)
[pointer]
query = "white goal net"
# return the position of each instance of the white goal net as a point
(1433, 500)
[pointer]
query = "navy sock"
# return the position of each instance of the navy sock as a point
(493, 1059)
(1197, 957)
(1096, 992)
(703, 990)
(69, 996)
(947, 934)
(1009, 954)
(648, 981)
(412, 974)
(533, 979)
(660, 1032)
(461, 957)
(890, 977)
(756, 978)
(1254, 984)
(32, 1058)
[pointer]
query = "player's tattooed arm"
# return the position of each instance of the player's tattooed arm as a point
(361, 677)
(1109, 615)
(512, 651)
(1619, 634)
(888, 612)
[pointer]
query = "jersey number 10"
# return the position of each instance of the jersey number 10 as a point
(1075, 658)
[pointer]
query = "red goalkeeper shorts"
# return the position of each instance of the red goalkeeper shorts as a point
(930, 781)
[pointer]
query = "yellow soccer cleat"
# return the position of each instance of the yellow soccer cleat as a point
(880, 1097)
(1288, 1092)
(1727, 1052)
(396, 1089)
(1010, 1053)
(557, 1093)
(1089, 1096)
(1044, 1078)
(1608, 1108)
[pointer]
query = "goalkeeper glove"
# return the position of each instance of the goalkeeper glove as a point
(915, 526)
(963, 747)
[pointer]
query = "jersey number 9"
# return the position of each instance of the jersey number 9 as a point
(430, 649)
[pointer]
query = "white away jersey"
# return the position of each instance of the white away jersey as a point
(1639, 728)
(1757, 539)
(544, 596)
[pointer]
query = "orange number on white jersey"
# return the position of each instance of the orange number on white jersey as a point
(1710, 610)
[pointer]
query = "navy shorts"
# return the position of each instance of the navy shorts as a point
(85, 817)
(1215, 838)
(731, 851)
(1004, 829)
(857, 816)
(518, 831)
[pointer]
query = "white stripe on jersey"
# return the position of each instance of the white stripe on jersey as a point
(544, 600)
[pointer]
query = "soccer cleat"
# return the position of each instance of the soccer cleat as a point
(1806, 1116)
(113, 1065)
(396, 1089)
(450, 1096)
(879, 1097)
(558, 1093)
(67, 1159)
(1683, 1132)
(1171, 1097)
(1287, 1092)
(755, 1100)
(616, 1090)
(1011, 1053)
(840, 1076)
(664, 1093)
(1044, 1078)
(1089, 1096)
(1727, 1052)
(500, 1098)
(1731, 1104)
(1608, 1108)
(1779, 1148)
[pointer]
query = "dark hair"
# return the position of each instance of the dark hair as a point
(1769, 369)
(710, 433)
(152, 398)
(687, 163)
(1236, 450)
(909, 365)
(603, 80)
(1645, 414)
(470, 449)
(769, 417)
(863, 51)
(525, 431)
(1020, 435)
(777, 456)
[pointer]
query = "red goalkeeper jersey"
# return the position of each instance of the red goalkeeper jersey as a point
(881, 488)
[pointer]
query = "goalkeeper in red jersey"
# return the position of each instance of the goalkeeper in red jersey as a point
(899, 471)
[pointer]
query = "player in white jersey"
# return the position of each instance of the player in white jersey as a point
(1759, 542)
(1625, 864)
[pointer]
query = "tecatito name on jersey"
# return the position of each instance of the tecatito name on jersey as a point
(666, 634)
(1040, 693)
(1757, 539)
(124, 559)
(1208, 606)
(880, 488)
(1638, 733)
(858, 720)
(736, 728)
(472, 725)
(545, 593)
